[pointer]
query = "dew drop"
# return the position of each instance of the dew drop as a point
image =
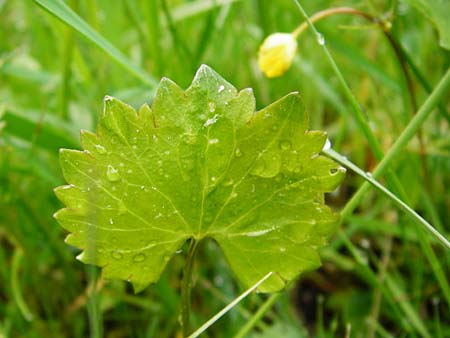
(112, 174)
(259, 167)
(139, 258)
(228, 182)
(238, 152)
(282, 249)
(369, 174)
(221, 88)
(100, 149)
(285, 145)
(116, 255)
(213, 141)
(111, 221)
(320, 39)
(212, 107)
(211, 121)
(327, 144)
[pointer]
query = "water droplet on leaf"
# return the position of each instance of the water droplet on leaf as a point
(116, 255)
(139, 258)
(285, 145)
(100, 149)
(211, 121)
(213, 141)
(112, 174)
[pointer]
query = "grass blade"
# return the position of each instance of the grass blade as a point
(399, 145)
(409, 211)
(64, 13)
(227, 308)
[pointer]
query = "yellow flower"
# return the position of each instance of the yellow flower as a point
(277, 53)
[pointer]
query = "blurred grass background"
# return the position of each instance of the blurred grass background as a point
(52, 81)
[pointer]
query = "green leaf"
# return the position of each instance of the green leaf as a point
(200, 163)
(438, 11)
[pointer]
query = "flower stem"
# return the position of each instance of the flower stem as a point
(187, 286)
(330, 12)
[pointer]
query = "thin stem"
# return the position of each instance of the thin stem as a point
(409, 211)
(385, 26)
(187, 286)
(423, 81)
(243, 332)
(360, 117)
(330, 12)
(15, 286)
(227, 308)
(376, 304)
(68, 48)
(425, 110)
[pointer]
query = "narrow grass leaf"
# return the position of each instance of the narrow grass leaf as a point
(409, 211)
(64, 13)
(227, 308)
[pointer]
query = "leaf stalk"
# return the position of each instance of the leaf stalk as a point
(186, 287)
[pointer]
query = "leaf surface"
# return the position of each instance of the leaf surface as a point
(200, 163)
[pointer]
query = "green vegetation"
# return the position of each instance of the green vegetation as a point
(374, 75)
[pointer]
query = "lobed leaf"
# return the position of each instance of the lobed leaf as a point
(200, 163)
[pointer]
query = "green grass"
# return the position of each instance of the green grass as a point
(382, 274)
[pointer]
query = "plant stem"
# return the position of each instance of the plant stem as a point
(227, 308)
(409, 211)
(398, 51)
(186, 287)
(15, 285)
(243, 332)
(425, 110)
(330, 12)
(360, 117)
(68, 48)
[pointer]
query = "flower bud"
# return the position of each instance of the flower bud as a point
(277, 53)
